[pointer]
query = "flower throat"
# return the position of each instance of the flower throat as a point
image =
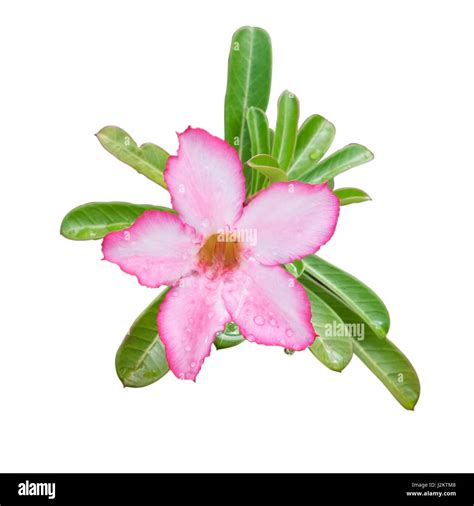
(217, 253)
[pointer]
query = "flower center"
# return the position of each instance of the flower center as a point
(219, 253)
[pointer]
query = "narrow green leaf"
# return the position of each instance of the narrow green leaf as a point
(349, 156)
(314, 139)
(381, 357)
(351, 196)
(248, 84)
(259, 132)
(331, 183)
(355, 294)
(286, 129)
(260, 143)
(231, 336)
(148, 159)
(296, 268)
(96, 219)
(268, 166)
(141, 358)
(333, 346)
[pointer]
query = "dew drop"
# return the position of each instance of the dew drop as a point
(273, 322)
(259, 320)
(251, 338)
(193, 364)
(289, 332)
(181, 375)
(314, 155)
(211, 274)
(187, 348)
(188, 329)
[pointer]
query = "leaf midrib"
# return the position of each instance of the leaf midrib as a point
(246, 94)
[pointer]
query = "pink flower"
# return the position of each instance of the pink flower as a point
(223, 259)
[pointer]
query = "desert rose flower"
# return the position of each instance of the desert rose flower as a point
(223, 258)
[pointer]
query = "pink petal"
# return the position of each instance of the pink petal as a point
(158, 248)
(269, 306)
(189, 317)
(289, 221)
(206, 181)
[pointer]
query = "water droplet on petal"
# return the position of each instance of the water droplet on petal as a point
(175, 293)
(193, 364)
(251, 338)
(187, 348)
(205, 223)
(273, 322)
(211, 274)
(289, 332)
(181, 375)
(210, 314)
(259, 320)
(188, 329)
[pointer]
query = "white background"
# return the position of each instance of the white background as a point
(395, 76)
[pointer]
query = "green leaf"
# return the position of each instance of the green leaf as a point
(96, 219)
(231, 336)
(333, 346)
(141, 358)
(268, 166)
(314, 139)
(286, 129)
(295, 268)
(349, 156)
(148, 159)
(260, 143)
(248, 84)
(258, 130)
(351, 196)
(381, 357)
(355, 294)
(331, 183)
